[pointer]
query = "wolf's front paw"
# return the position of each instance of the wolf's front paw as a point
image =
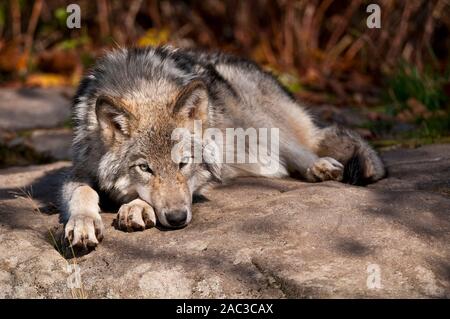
(84, 231)
(325, 168)
(136, 215)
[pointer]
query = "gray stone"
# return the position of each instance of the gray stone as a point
(55, 143)
(253, 238)
(330, 114)
(30, 108)
(425, 168)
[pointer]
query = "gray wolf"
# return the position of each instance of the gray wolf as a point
(127, 107)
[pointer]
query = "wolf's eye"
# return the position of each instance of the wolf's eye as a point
(145, 168)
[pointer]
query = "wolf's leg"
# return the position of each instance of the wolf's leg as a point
(312, 167)
(325, 168)
(135, 215)
(362, 164)
(81, 214)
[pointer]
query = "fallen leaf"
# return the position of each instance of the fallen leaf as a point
(47, 80)
(154, 37)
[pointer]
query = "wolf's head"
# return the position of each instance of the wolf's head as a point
(138, 104)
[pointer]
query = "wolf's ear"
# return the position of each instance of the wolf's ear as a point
(113, 120)
(192, 102)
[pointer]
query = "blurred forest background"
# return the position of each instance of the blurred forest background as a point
(397, 77)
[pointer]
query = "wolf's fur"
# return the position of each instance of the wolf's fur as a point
(127, 107)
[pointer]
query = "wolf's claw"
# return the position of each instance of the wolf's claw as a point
(134, 216)
(325, 168)
(84, 231)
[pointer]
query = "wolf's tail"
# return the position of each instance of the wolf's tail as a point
(362, 164)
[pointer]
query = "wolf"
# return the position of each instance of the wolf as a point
(126, 110)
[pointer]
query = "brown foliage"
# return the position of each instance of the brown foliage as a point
(325, 43)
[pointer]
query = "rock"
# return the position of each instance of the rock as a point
(30, 108)
(38, 146)
(330, 114)
(254, 238)
(55, 143)
(425, 168)
(30, 266)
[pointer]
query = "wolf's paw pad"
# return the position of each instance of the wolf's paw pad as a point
(134, 216)
(325, 168)
(84, 231)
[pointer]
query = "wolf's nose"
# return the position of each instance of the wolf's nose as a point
(177, 218)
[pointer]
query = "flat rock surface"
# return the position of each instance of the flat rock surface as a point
(30, 108)
(253, 238)
(55, 143)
